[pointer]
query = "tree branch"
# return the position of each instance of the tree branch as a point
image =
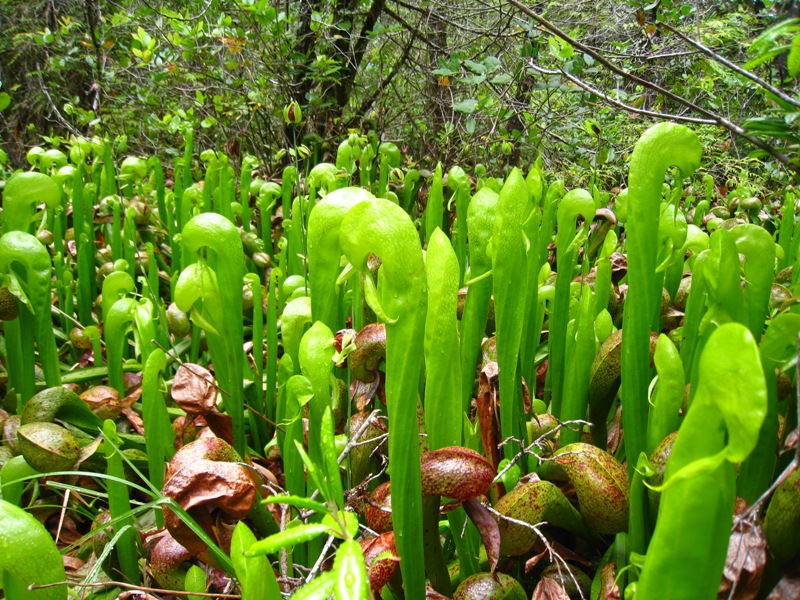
(413, 30)
(368, 102)
(617, 103)
(717, 119)
(732, 66)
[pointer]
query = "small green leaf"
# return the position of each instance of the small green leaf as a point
(195, 582)
(313, 473)
(329, 456)
(350, 572)
(350, 523)
(467, 106)
(255, 575)
(291, 536)
(792, 61)
(318, 589)
(475, 67)
(297, 502)
(372, 299)
(5, 100)
(502, 79)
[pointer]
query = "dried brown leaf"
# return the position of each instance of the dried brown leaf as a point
(549, 589)
(788, 588)
(487, 407)
(608, 584)
(744, 567)
(207, 481)
(487, 526)
(221, 424)
(103, 400)
(194, 389)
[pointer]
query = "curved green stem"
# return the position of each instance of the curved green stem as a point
(22, 193)
(384, 228)
(458, 181)
(126, 312)
(24, 249)
(660, 147)
(324, 251)
(213, 231)
(575, 203)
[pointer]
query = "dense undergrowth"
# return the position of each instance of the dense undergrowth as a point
(361, 379)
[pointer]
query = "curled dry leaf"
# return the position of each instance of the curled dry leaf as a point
(549, 589)
(103, 400)
(487, 527)
(747, 558)
(574, 582)
(203, 482)
(609, 590)
(545, 548)
(194, 389)
(488, 386)
(455, 472)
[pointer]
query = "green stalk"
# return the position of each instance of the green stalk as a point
(552, 199)
(108, 184)
(17, 247)
(258, 425)
(576, 386)
(158, 440)
(443, 398)
(531, 334)
(480, 222)
(659, 147)
(435, 206)
(575, 203)
(215, 232)
(316, 364)
(116, 228)
(272, 345)
(668, 395)
(510, 276)
(458, 181)
(384, 228)
(119, 504)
